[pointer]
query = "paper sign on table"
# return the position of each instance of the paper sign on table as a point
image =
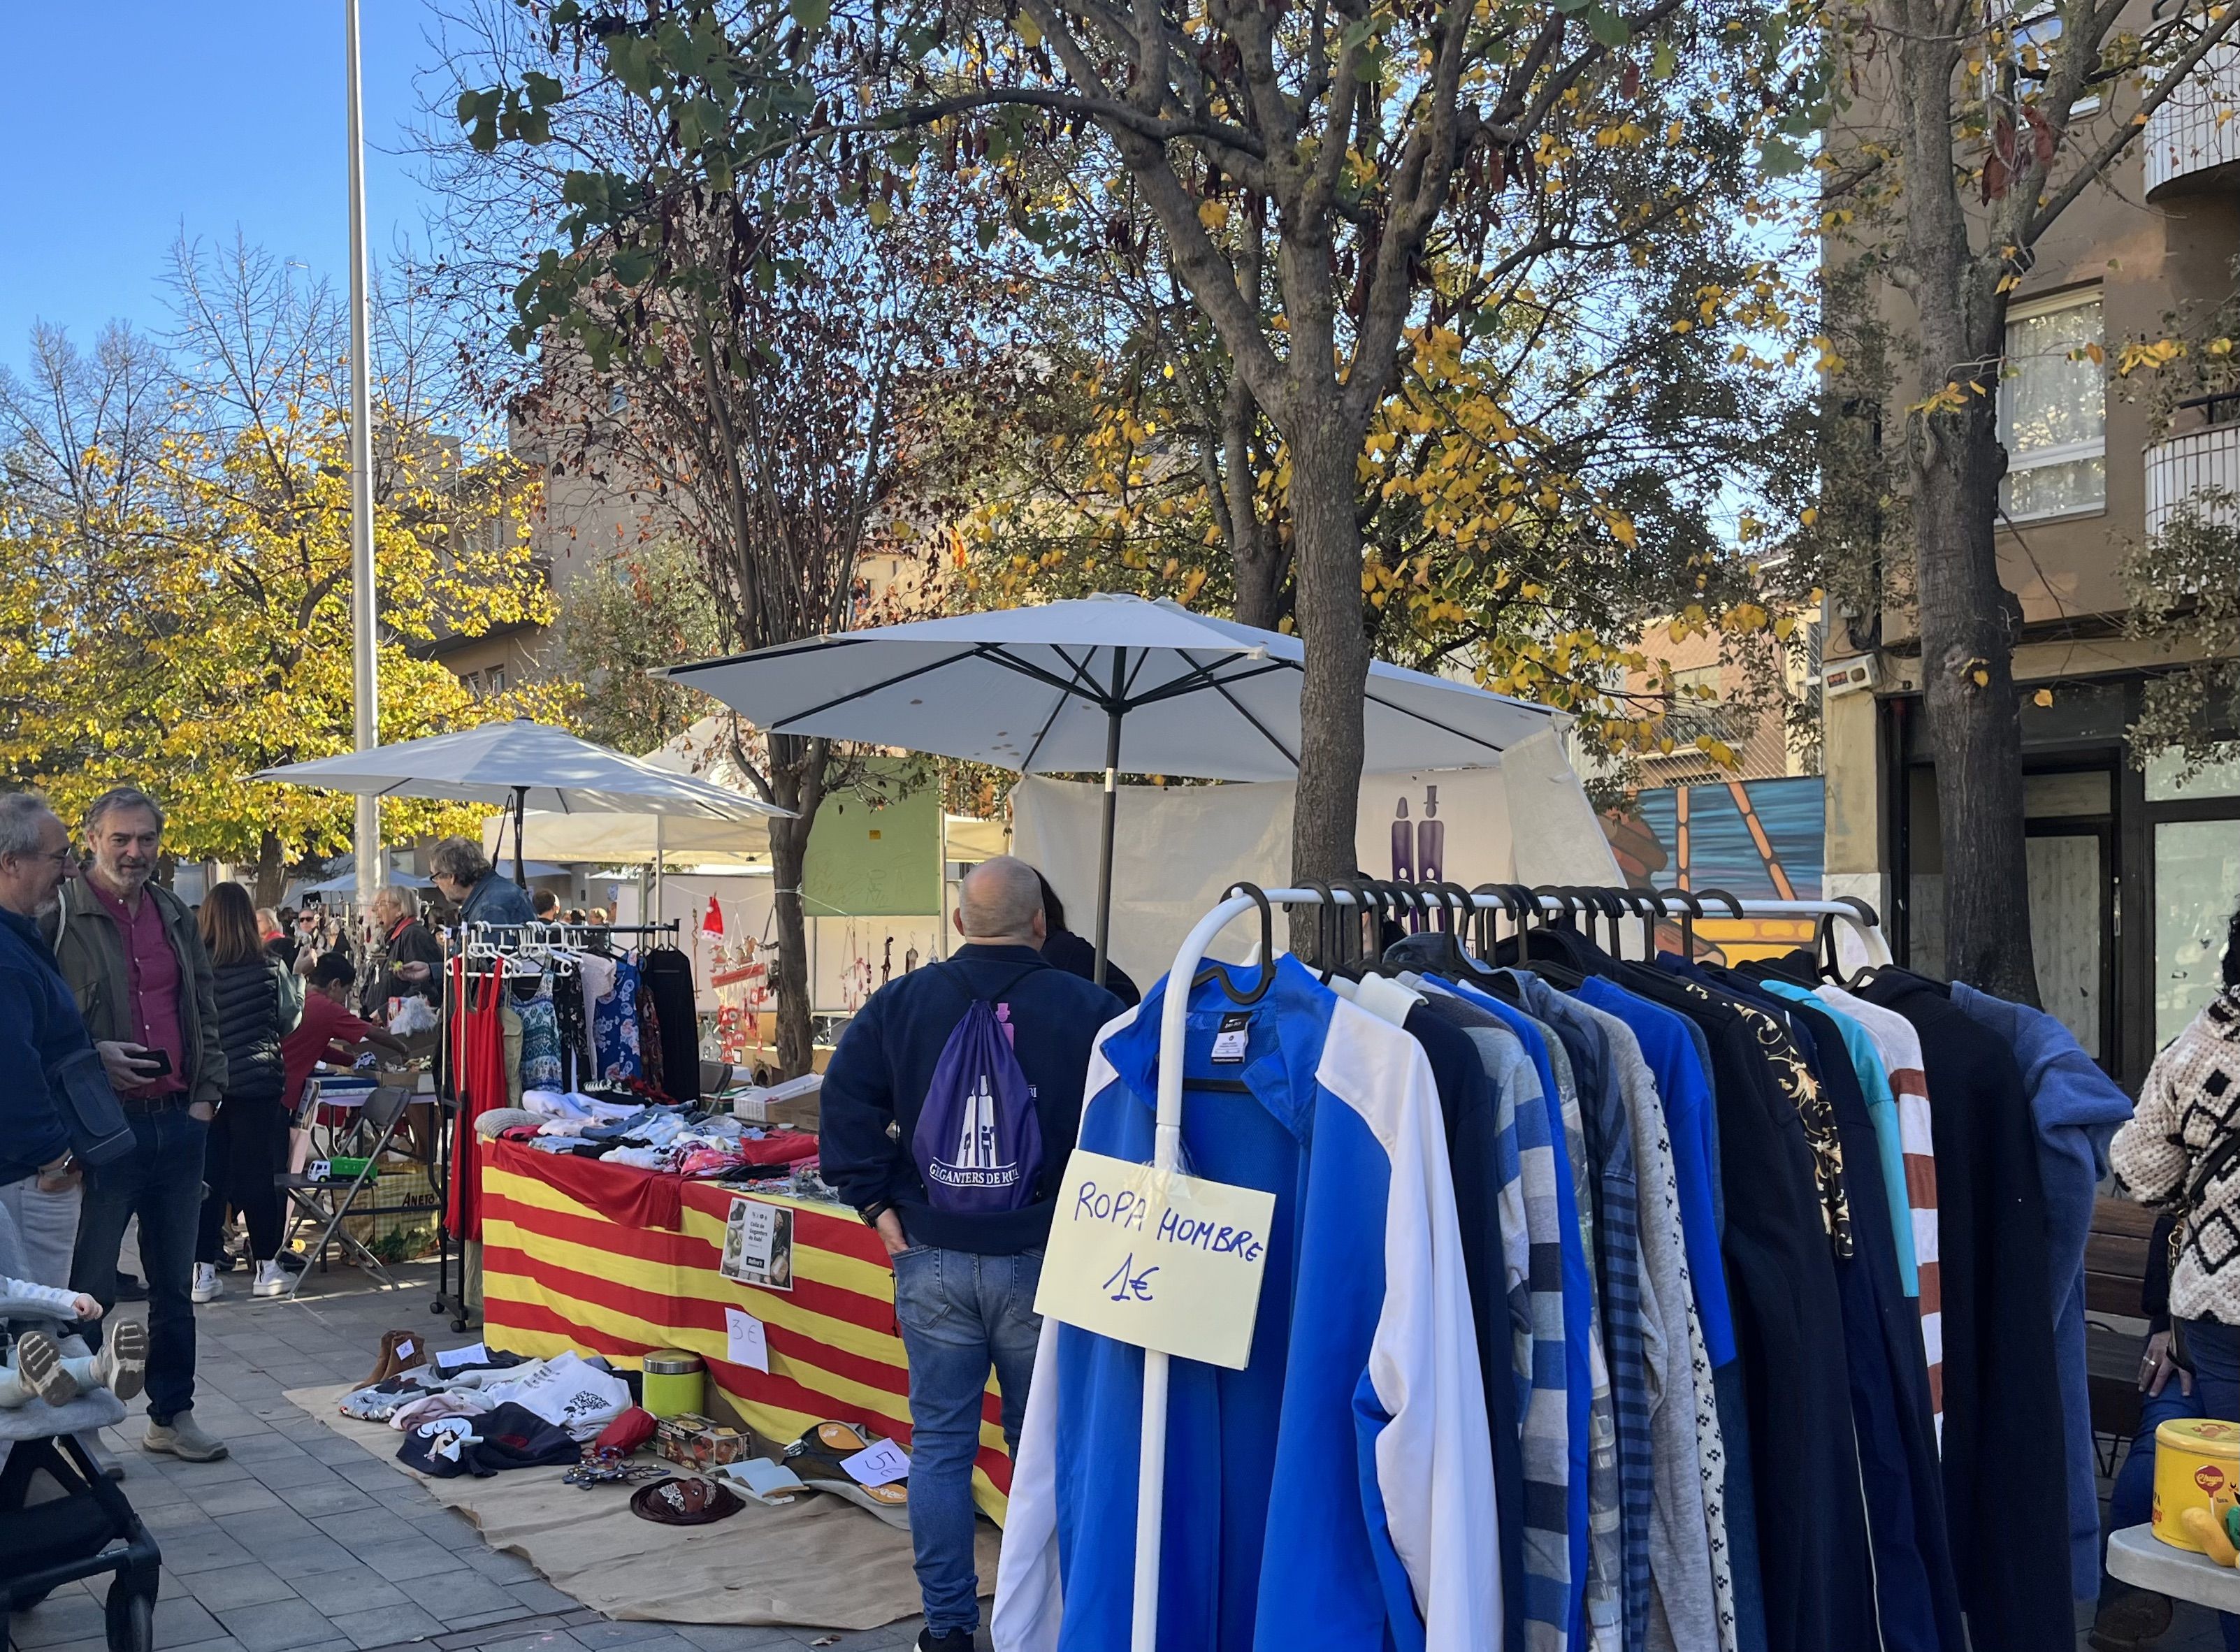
(1157, 1259)
(473, 1354)
(881, 1463)
(749, 1342)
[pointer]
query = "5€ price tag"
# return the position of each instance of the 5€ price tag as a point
(1157, 1259)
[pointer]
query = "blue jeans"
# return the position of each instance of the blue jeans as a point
(161, 1182)
(959, 1313)
(2215, 1351)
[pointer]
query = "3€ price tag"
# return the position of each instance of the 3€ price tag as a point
(746, 1341)
(1157, 1259)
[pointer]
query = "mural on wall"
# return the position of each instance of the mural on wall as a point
(1763, 839)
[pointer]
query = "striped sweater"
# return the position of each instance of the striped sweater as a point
(1899, 1045)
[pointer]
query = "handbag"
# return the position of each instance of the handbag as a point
(99, 1132)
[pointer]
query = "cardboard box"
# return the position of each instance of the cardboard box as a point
(691, 1440)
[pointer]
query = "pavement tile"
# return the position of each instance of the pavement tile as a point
(200, 1548)
(410, 1558)
(537, 1596)
(253, 1584)
(285, 1474)
(306, 1552)
(234, 1497)
(386, 1626)
(545, 1640)
(735, 1637)
(358, 1589)
(358, 1528)
(505, 1567)
(624, 1633)
(56, 1621)
(180, 1620)
(279, 1626)
(329, 1496)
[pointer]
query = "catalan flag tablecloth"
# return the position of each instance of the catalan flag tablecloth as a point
(604, 1259)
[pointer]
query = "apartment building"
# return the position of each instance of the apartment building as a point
(2132, 874)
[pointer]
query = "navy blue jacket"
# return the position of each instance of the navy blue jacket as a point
(878, 1078)
(39, 1025)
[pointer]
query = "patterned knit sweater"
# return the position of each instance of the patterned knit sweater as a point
(2190, 1103)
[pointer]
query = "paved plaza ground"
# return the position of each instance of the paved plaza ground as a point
(298, 1539)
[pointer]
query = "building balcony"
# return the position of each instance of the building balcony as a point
(2191, 462)
(2193, 140)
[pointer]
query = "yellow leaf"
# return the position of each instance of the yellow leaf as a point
(1029, 32)
(2044, 696)
(1980, 677)
(1213, 214)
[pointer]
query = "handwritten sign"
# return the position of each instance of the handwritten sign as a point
(880, 1464)
(746, 1340)
(1157, 1259)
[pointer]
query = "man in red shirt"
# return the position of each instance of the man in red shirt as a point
(328, 1031)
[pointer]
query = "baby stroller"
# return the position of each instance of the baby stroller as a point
(61, 1520)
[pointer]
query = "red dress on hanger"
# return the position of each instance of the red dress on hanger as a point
(478, 1069)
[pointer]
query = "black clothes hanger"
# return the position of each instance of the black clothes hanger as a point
(1218, 971)
(1325, 927)
(1445, 954)
(1649, 910)
(1691, 910)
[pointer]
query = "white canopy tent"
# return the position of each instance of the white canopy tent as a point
(1106, 682)
(524, 766)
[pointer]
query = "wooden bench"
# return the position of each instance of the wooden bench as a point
(2114, 1273)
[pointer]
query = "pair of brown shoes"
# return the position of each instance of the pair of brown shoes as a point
(401, 1351)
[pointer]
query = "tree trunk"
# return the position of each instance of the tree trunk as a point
(272, 870)
(1326, 546)
(1255, 545)
(797, 778)
(1969, 621)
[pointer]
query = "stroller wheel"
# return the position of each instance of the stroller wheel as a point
(131, 1617)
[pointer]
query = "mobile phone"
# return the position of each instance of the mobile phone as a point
(159, 1059)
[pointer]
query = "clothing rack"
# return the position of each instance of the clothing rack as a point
(1550, 902)
(537, 943)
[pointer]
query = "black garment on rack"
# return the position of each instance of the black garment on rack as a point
(568, 1013)
(1467, 1106)
(1811, 1529)
(1916, 1594)
(2004, 1480)
(666, 974)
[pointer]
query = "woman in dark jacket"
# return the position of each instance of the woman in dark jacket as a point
(258, 1003)
(1063, 947)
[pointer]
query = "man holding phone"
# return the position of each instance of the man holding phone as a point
(134, 960)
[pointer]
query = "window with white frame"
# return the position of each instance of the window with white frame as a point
(2053, 409)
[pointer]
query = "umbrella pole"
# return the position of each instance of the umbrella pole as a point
(520, 809)
(1113, 713)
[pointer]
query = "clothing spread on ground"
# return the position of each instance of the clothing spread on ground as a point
(1609, 1307)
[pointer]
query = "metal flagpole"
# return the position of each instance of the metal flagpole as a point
(364, 678)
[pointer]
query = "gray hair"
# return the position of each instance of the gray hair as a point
(459, 859)
(23, 813)
(1000, 896)
(404, 900)
(121, 797)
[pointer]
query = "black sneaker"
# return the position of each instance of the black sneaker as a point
(131, 1287)
(954, 1641)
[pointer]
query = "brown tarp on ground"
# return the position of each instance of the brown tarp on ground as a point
(819, 1560)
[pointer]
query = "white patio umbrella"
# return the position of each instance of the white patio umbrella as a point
(1064, 687)
(524, 766)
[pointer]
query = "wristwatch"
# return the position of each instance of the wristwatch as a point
(873, 1211)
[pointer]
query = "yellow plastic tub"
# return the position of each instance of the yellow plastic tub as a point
(2195, 1459)
(676, 1383)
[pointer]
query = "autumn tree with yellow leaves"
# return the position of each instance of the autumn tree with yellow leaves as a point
(174, 562)
(1330, 182)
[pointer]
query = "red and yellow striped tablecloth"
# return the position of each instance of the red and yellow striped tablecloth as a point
(559, 1274)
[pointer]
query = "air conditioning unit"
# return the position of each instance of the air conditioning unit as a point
(1860, 672)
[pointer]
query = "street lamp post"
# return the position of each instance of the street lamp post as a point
(364, 676)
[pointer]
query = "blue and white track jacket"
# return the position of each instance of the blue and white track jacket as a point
(1337, 1493)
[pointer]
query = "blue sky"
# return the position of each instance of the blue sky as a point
(123, 121)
